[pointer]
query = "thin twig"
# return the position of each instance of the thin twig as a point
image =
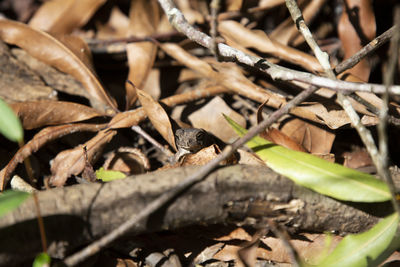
(388, 78)
(214, 6)
(365, 51)
(151, 140)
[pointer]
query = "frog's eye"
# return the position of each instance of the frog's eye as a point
(200, 135)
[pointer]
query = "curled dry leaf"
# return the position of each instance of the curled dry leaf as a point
(128, 160)
(40, 139)
(72, 161)
(157, 116)
(144, 18)
(63, 16)
(205, 155)
(260, 41)
(35, 114)
(356, 28)
(51, 51)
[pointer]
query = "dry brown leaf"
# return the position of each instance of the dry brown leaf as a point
(356, 28)
(144, 19)
(152, 85)
(51, 51)
(63, 16)
(228, 75)
(57, 80)
(117, 26)
(260, 41)
(279, 138)
(369, 97)
(276, 136)
(357, 159)
(72, 161)
(157, 116)
(210, 118)
(133, 117)
(274, 250)
(40, 139)
(19, 82)
(234, 5)
(311, 137)
(267, 4)
(192, 15)
(79, 47)
(249, 158)
(287, 31)
(35, 114)
(205, 155)
(128, 160)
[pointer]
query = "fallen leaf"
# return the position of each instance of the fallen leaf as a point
(39, 140)
(144, 19)
(260, 41)
(286, 32)
(157, 116)
(72, 161)
(35, 114)
(48, 49)
(210, 118)
(315, 139)
(63, 16)
(356, 28)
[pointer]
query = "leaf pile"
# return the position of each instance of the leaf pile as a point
(79, 74)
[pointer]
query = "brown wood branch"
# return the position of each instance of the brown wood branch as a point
(76, 215)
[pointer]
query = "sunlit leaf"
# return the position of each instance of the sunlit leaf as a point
(42, 260)
(10, 200)
(327, 178)
(109, 175)
(10, 126)
(366, 249)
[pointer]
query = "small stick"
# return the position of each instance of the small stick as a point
(151, 140)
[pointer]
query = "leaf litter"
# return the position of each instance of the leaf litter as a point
(60, 34)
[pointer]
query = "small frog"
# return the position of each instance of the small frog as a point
(190, 140)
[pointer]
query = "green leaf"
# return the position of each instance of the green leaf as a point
(324, 177)
(366, 249)
(10, 200)
(10, 126)
(42, 260)
(108, 175)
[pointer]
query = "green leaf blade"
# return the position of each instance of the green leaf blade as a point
(109, 175)
(42, 260)
(10, 200)
(324, 177)
(10, 125)
(366, 249)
